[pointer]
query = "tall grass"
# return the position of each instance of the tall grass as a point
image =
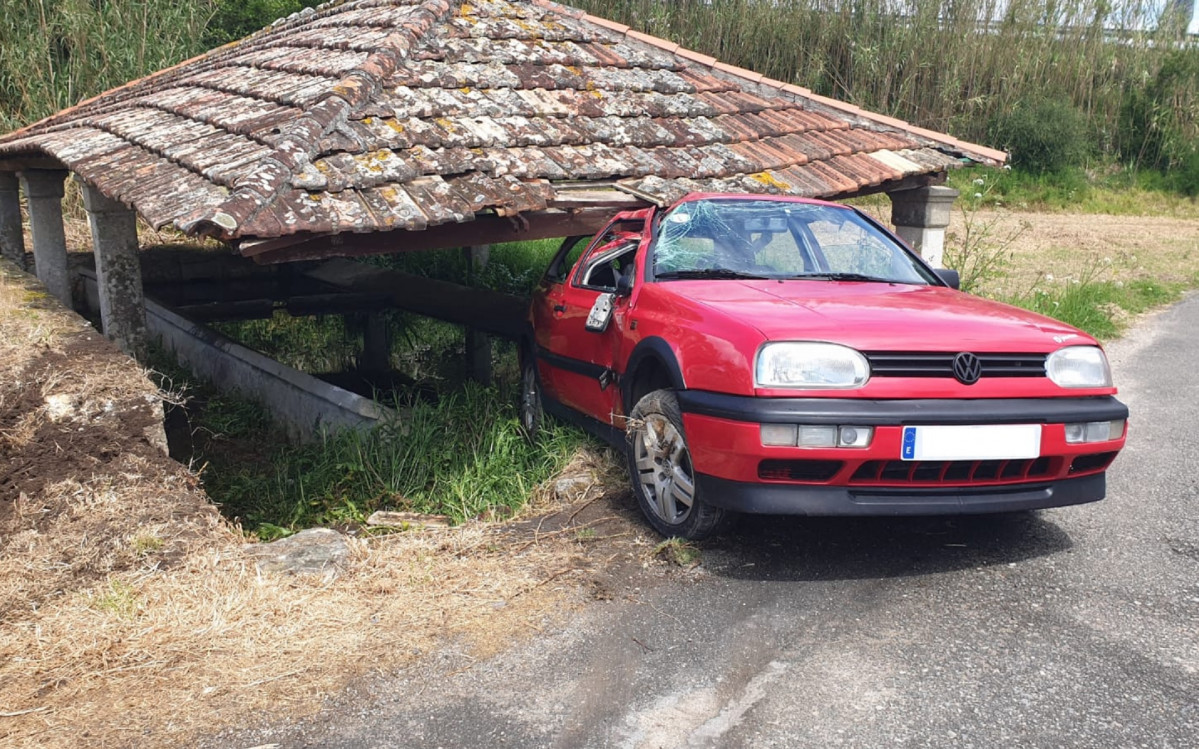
(928, 62)
(463, 456)
(57, 52)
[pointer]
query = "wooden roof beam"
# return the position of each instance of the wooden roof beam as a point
(525, 227)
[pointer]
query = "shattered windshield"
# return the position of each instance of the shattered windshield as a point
(775, 239)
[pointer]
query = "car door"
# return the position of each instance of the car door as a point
(575, 358)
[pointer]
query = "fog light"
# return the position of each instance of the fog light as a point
(855, 436)
(779, 435)
(817, 436)
(1094, 431)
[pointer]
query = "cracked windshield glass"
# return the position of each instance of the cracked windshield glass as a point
(773, 239)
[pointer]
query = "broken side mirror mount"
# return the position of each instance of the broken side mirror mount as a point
(951, 278)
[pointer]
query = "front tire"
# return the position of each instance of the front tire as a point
(661, 472)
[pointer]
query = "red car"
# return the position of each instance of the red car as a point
(778, 355)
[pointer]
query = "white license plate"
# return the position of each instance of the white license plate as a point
(995, 442)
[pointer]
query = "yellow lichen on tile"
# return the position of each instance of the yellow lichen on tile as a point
(767, 178)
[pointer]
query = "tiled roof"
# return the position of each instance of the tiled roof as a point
(373, 115)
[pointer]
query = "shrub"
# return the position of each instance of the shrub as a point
(1159, 122)
(1184, 177)
(1043, 135)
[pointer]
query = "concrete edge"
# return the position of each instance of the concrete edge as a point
(305, 405)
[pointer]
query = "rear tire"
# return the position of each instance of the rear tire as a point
(660, 469)
(532, 413)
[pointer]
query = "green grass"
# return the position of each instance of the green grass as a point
(311, 344)
(1099, 308)
(464, 456)
(1109, 189)
(512, 268)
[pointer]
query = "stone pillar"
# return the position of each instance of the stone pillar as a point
(43, 191)
(118, 271)
(478, 344)
(920, 217)
(12, 239)
(376, 344)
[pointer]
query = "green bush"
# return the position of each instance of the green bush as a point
(235, 19)
(1043, 135)
(1184, 178)
(1159, 122)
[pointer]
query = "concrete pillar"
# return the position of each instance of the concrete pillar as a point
(376, 344)
(118, 271)
(12, 239)
(478, 343)
(43, 191)
(920, 217)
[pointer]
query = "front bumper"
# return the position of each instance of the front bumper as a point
(782, 499)
(734, 470)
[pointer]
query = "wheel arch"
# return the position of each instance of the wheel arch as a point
(653, 365)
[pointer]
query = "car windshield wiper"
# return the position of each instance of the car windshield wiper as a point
(838, 277)
(711, 273)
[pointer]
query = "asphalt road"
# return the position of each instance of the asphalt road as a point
(1076, 627)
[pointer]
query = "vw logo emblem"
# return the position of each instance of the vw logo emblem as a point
(967, 368)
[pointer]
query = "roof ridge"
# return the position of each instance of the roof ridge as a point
(300, 141)
(973, 149)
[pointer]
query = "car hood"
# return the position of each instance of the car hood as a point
(882, 316)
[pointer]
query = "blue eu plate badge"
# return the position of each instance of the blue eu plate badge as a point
(909, 443)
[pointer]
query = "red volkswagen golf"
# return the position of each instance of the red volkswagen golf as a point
(777, 355)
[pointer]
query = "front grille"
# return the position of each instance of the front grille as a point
(937, 364)
(798, 470)
(953, 471)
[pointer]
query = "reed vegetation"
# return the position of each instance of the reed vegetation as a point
(979, 69)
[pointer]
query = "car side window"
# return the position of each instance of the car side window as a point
(608, 263)
(568, 254)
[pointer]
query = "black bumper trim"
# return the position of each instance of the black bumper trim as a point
(910, 412)
(793, 499)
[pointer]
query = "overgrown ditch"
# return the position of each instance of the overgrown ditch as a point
(455, 448)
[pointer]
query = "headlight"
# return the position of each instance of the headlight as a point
(1079, 367)
(810, 366)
